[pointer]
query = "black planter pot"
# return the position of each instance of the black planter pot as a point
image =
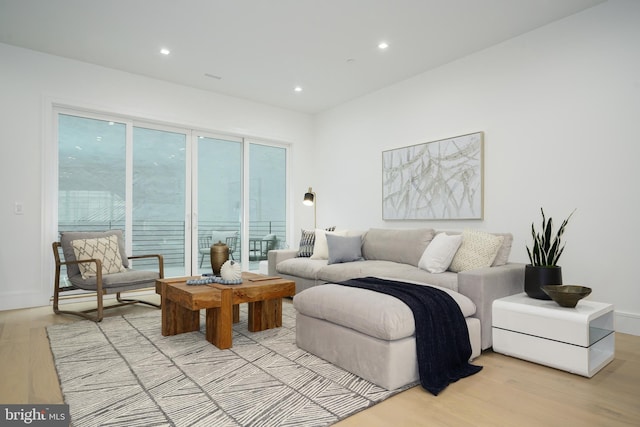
(536, 277)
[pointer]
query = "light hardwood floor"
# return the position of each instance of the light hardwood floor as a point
(507, 392)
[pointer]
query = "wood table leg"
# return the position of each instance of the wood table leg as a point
(236, 313)
(177, 319)
(220, 321)
(265, 314)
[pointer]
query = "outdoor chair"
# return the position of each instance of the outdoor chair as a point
(97, 261)
(230, 238)
(259, 248)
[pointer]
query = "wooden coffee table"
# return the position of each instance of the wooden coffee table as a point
(181, 305)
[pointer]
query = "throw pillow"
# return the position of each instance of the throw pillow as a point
(478, 249)
(343, 248)
(320, 248)
(104, 249)
(503, 254)
(438, 255)
(307, 240)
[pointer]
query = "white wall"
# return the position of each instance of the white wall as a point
(30, 82)
(559, 108)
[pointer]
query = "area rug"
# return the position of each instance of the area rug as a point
(123, 372)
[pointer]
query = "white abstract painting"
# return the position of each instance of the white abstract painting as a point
(435, 180)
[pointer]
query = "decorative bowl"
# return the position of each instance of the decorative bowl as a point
(566, 295)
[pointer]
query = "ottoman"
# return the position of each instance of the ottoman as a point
(369, 334)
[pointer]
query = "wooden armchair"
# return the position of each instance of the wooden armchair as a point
(97, 261)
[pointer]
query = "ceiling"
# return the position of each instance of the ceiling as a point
(261, 49)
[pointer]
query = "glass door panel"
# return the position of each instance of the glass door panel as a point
(267, 201)
(159, 198)
(91, 174)
(219, 192)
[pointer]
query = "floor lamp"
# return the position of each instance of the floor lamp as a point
(310, 200)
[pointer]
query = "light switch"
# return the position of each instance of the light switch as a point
(18, 208)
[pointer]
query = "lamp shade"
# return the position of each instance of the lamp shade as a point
(309, 197)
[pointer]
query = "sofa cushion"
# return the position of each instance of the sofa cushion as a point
(343, 248)
(478, 250)
(389, 269)
(439, 253)
(400, 245)
(301, 267)
(378, 315)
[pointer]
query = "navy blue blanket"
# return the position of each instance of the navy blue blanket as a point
(442, 337)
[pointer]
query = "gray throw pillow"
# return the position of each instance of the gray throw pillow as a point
(344, 248)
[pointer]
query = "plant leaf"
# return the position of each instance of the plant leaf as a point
(547, 247)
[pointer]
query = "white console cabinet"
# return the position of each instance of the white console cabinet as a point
(580, 340)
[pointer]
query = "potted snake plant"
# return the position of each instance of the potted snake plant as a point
(544, 255)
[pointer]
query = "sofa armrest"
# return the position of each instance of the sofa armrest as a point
(484, 285)
(278, 255)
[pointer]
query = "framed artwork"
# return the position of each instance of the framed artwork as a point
(435, 180)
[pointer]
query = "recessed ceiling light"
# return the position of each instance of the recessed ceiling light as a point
(298, 89)
(383, 45)
(165, 51)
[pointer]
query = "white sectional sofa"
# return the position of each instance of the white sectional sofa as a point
(396, 254)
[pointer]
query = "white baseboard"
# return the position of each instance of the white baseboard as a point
(627, 323)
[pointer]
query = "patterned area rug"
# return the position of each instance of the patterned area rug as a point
(123, 372)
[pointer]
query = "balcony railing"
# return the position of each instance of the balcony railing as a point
(167, 237)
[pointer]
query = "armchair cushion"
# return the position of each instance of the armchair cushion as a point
(104, 249)
(118, 282)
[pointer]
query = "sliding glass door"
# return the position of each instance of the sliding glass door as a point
(219, 202)
(267, 201)
(159, 197)
(173, 191)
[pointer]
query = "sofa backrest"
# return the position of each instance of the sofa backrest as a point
(399, 245)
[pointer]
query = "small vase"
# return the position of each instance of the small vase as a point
(219, 255)
(535, 277)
